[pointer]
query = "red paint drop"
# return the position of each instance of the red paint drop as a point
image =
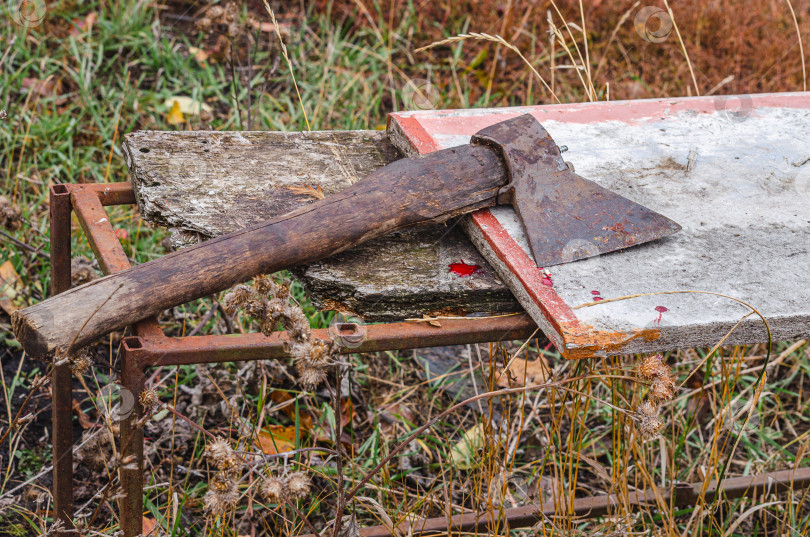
(463, 269)
(660, 310)
(547, 281)
(597, 298)
(595, 293)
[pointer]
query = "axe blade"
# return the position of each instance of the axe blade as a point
(565, 217)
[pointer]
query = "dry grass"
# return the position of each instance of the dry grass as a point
(756, 43)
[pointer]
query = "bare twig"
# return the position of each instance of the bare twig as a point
(25, 246)
(289, 63)
(31, 391)
(305, 519)
(341, 493)
(207, 317)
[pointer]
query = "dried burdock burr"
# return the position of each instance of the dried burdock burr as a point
(647, 419)
(274, 489)
(651, 366)
(298, 485)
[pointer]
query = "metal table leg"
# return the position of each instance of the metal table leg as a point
(61, 378)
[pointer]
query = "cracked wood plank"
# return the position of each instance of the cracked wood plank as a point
(204, 184)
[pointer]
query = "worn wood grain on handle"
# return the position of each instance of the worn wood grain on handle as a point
(407, 192)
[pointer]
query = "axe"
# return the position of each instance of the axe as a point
(513, 162)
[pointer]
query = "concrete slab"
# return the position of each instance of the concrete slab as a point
(733, 171)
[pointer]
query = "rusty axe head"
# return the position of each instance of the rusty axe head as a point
(560, 209)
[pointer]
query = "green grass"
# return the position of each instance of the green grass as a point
(31, 461)
(115, 77)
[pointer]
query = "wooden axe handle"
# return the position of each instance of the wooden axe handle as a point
(406, 192)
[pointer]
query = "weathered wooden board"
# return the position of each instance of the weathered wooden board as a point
(204, 184)
(413, 279)
(733, 171)
(208, 183)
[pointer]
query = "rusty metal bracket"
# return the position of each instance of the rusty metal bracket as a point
(61, 380)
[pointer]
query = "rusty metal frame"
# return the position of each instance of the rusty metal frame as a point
(149, 347)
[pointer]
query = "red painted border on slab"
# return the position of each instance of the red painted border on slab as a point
(553, 307)
(468, 122)
(418, 137)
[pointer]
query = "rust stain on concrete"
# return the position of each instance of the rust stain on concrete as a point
(586, 342)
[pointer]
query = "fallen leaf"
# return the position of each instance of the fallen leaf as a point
(346, 414)
(464, 452)
(349, 528)
(305, 419)
(395, 417)
(84, 420)
(431, 321)
(306, 190)
(533, 371)
(186, 105)
(395, 420)
(175, 116)
(10, 287)
(221, 50)
(322, 431)
(346, 411)
(277, 439)
(44, 88)
(149, 526)
(81, 26)
(199, 54)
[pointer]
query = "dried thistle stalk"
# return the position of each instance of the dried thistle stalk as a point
(662, 389)
(223, 489)
(270, 303)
